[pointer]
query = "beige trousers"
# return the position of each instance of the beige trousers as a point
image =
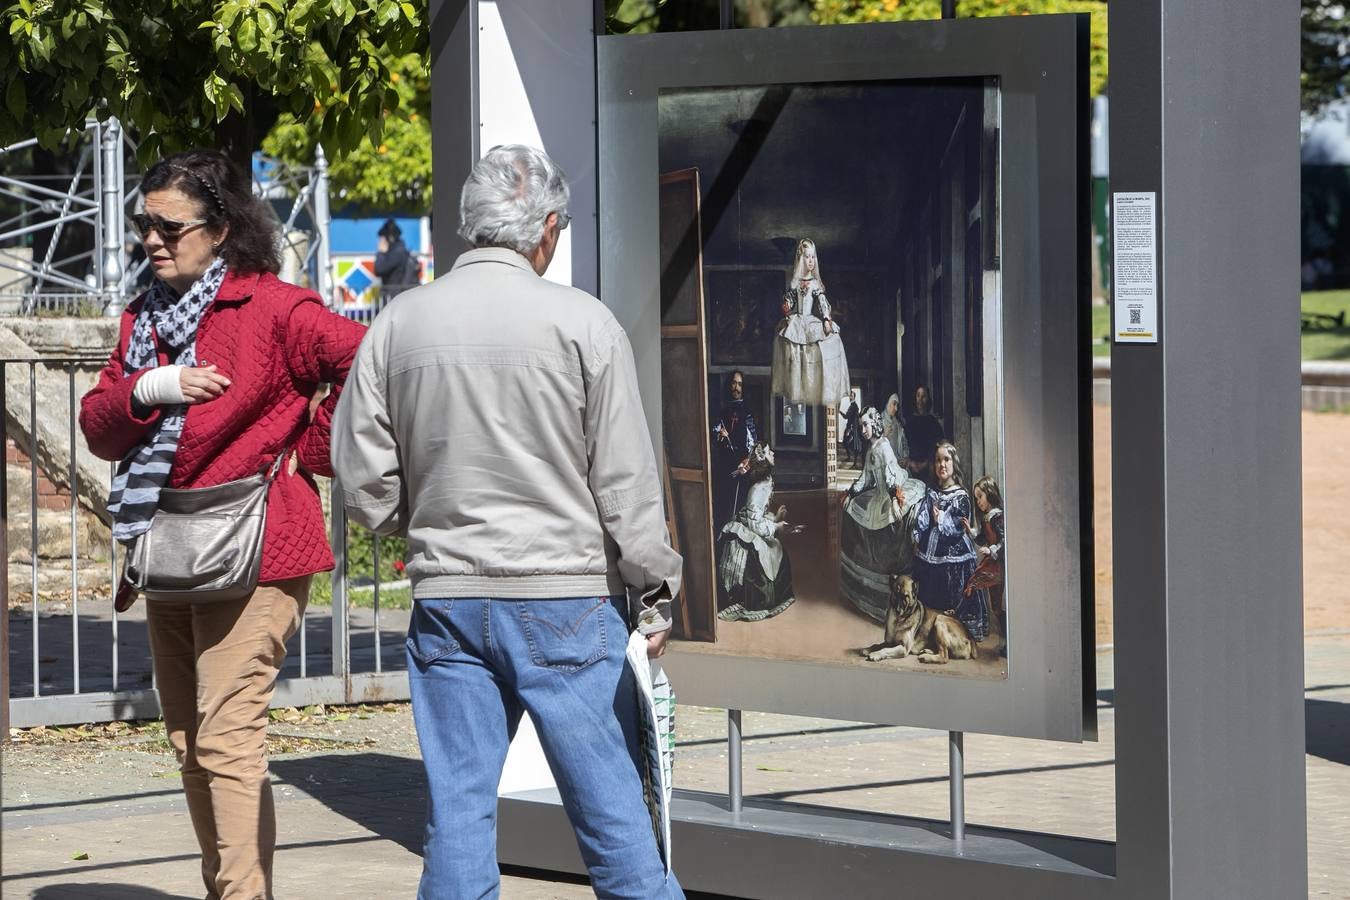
(215, 667)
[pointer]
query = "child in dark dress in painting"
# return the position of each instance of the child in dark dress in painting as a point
(753, 570)
(944, 554)
(988, 532)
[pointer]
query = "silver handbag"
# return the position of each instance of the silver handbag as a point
(204, 544)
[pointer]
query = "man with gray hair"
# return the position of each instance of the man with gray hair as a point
(494, 418)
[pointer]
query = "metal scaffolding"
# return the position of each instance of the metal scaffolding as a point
(99, 272)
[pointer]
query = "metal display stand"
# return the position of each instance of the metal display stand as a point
(1209, 716)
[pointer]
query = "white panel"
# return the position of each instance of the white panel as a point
(505, 109)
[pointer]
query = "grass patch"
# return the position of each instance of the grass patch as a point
(1101, 330)
(1321, 340)
(321, 594)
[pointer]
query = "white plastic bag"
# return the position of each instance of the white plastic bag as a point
(656, 741)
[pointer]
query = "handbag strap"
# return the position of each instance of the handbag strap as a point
(275, 469)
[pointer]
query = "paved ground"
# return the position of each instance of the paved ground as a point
(106, 819)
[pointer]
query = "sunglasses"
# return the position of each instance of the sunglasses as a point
(564, 219)
(168, 230)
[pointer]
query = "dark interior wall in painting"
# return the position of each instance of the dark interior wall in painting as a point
(873, 173)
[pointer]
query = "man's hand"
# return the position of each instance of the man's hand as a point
(201, 384)
(382, 245)
(656, 644)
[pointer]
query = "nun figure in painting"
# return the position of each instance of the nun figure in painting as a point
(893, 427)
(809, 365)
(878, 520)
(753, 570)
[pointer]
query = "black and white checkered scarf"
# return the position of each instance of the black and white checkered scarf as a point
(145, 470)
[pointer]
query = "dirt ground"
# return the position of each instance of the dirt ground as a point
(1326, 521)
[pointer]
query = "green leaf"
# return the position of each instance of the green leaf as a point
(235, 98)
(247, 37)
(16, 98)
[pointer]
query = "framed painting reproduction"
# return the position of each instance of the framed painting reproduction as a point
(852, 262)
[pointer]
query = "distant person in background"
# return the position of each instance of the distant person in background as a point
(923, 430)
(396, 268)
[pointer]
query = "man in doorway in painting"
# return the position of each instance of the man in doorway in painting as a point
(734, 434)
(924, 430)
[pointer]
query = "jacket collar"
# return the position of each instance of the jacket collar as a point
(238, 286)
(491, 255)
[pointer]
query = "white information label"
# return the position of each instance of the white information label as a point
(1134, 271)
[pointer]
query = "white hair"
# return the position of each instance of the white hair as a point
(508, 197)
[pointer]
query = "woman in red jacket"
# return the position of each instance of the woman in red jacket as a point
(212, 379)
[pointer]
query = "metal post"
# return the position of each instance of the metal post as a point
(726, 14)
(112, 585)
(949, 9)
(735, 792)
(342, 663)
(111, 227)
(33, 512)
(1210, 771)
(74, 538)
(323, 223)
(956, 763)
(375, 599)
(4, 569)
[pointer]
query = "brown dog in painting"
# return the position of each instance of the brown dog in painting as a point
(914, 629)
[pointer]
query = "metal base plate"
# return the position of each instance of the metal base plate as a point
(788, 850)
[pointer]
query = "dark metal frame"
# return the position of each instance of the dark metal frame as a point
(1046, 417)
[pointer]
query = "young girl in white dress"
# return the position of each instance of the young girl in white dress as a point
(809, 365)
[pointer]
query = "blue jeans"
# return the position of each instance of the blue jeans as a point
(473, 667)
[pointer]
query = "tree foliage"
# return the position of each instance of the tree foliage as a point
(646, 16)
(390, 173)
(183, 73)
(1325, 39)
(829, 12)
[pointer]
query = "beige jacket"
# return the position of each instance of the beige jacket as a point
(494, 418)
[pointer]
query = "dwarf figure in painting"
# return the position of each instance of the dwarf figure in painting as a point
(987, 530)
(734, 434)
(945, 556)
(753, 570)
(877, 504)
(808, 357)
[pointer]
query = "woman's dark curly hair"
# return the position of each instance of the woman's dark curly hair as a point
(225, 196)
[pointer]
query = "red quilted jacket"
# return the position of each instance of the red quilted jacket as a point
(276, 343)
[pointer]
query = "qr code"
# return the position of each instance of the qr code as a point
(1136, 317)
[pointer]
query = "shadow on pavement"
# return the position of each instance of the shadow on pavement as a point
(103, 891)
(384, 794)
(1327, 726)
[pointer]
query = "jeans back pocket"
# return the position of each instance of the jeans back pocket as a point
(567, 635)
(430, 632)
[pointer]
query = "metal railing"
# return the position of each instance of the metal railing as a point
(69, 657)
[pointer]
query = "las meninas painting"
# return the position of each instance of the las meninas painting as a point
(831, 372)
